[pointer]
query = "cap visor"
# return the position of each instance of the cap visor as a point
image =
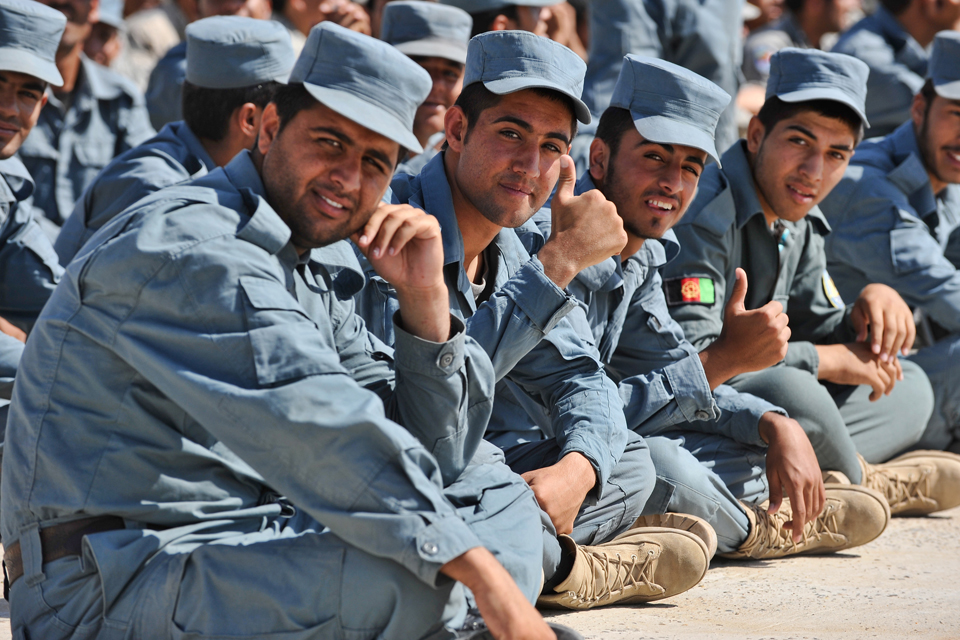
(25, 62)
(366, 115)
(434, 49)
(504, 86)
(664, 130)
(825, 93)
(948, 90)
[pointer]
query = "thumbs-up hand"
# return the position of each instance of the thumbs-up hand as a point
(586, 229)
(749, 341)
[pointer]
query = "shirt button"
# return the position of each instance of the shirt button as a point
(701, 415)
(429, 548)
(446, 360)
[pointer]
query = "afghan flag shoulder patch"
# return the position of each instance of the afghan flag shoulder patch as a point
(680, 291)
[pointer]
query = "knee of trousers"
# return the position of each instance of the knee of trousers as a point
(635, 475)
(917, 399)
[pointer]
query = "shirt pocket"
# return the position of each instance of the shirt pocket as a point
(906, 253)
(93, 155)
(662, 325)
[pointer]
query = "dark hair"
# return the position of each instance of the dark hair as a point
(614, 122)
(483, 20)
(476, 98)
(291, 99)
(775, 110)
(207, 111)
(929, 93)
(896, 7)
(795, 6)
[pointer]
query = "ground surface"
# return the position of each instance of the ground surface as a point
(906, 584)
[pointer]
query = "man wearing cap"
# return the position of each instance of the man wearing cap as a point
(163, 94)
(95, 116)
(203, 349)
(234, 66)
(556, 415)
(435, 36)
(29, 36)
(894, 41)
(895, 217)
(758, 213)
(106, 39)
(714, 448)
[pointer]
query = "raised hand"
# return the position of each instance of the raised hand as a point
(750, 340)
(585, 229)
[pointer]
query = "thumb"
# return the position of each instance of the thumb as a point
(568, 178)
(738, 298)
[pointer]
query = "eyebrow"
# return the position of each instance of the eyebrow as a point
(669, 148)
(526, 126)
(344, 138)
(809, 134)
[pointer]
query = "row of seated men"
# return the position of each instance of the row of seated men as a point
(290, 392)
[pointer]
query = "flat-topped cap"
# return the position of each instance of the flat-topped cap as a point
(803, 75)
(427, 29)
(29, 36)
(229, 52)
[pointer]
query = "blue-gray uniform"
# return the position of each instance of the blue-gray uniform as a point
(226, 52)
(897, 64)
(725, 229)
(542, 365)
(208, 370)
(889, 227)
(703, 36)
(73, 141)
(166, 86)
(173, 156)
(413, 166)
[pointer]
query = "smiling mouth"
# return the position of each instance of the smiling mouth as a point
(954, 155)
(335, 205)
(516, 191)
(661, 205)
(802, 194)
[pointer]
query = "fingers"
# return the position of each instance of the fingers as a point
(776, 490)
(739, 294)
(877, 326)
(911, 337)
(391, 227)
(568, 178)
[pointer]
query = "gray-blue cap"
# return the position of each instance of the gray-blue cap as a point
(229, 52)
(29, 36)
(111, 13)
(944, 67)
(365, 80)
(427, 29)
(510, 61)
(802, 75)
(670, 104)
(478, 6)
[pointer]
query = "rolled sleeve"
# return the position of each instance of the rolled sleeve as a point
(417, 356)
(538, 296)
(803, 355)
(741, 413)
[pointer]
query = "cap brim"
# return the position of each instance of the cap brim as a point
(434, 49)
(825, 93)
(664, 130)
(366, 114)
(27, 63)
(504, 86)
(948, 90)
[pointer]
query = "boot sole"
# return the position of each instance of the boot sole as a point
(685, 522)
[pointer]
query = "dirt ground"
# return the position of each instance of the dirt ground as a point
(906, 584)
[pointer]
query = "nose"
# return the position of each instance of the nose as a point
(346, 174)
(812, 166)
(527, 161)
(671, 179)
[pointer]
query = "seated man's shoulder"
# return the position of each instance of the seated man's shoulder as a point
(865, 36)
(110, 85)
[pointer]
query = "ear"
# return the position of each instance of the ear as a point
(501, 23)
(599, 160)
(755, 133)
(247, 119)
(918, 109)
(269, 128)
(455, 128)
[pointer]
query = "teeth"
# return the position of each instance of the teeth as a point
(955, 156)
(806, 195)
(332, 203)
(660, 204)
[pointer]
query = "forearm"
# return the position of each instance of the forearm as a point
(425, 313)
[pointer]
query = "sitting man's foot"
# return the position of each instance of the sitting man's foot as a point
(917, 483)
(852, 515)
(697, 526)
(641, 565)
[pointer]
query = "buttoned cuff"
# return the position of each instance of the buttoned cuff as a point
(803, 355)
(691, 389)
(741, 413)
(437, 544)
(439, 359)
(538, 296)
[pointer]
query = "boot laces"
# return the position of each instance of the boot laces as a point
(899, 488)
(620, 573)
(772, 536)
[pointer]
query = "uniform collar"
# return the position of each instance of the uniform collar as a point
(192, 142)
(17, 178)
(265, 228)
(99, 81)
(892, 31)
(739, 175)
(909, 175)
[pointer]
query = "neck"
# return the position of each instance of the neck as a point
(917, 24)
(936, 183)
(299, 19)
(476, 230)
(68, 64)
(221, 151)
(633, 245)
(812, 28)
(768, 213)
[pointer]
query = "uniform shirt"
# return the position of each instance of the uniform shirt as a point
(889, 227)
(173, 156)
(660, 375)
(413, 166)
(898, 66)
(700, 35)
(165, 88)
(549, 382)
(766, 41)
(192, 367)
(723, 229)
(72, 142)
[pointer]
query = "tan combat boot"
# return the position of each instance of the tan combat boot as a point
(641, 565)
(697, 526)
(852, 516)
(917, 483)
